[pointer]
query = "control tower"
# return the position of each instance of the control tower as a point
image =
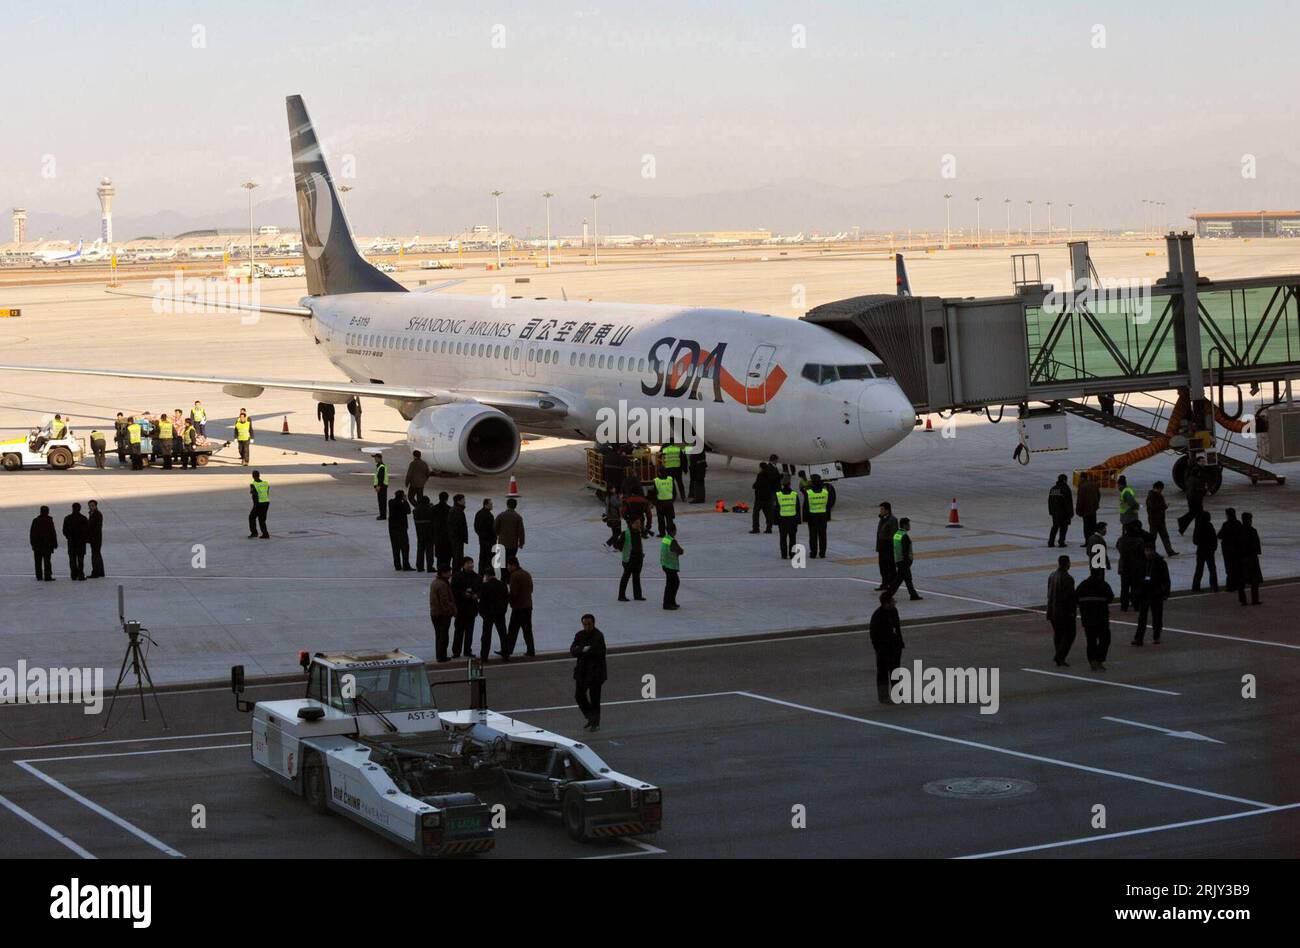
(106, 192)
(20, 225)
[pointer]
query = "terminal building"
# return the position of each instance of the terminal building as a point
(1248, 224)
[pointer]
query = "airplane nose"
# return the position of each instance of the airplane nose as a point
(885, 415)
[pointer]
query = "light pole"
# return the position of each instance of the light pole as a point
(1071, 215)
(1007, 202)
(595, 231)
(496, 198)
(1049, 222)
(977, 220)
(249, 186)
(947, 220)
(548, 195)
(1030, 241)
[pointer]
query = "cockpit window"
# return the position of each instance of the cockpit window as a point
(825, 374)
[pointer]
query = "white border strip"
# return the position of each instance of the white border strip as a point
(1101, 681)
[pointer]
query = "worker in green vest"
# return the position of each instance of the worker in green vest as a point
(1128, 503)
(380, 483)
(787, 518)
(261, 494)
(903, 559)
(200, 418)
(189, 442)
(665, 513)
(669, 551)
(165, 440)
(633, 555)
(243, 435)
(817, 497)
(98, 446)
(672, 455)
(133, 435)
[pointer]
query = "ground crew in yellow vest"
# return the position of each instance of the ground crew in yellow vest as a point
(1128, 503)
(673, 455)
(903, 559)
(164, 438)
(665, 513)
(787, 517)
(380, 482)
(189, 442)
(200, 418)
(58, 428)
(669, 551)
(817, 498)
(243, 435)
(261, 494)
(133, 435)
(98, 446)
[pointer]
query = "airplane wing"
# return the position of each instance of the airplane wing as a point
(301, 311)
(533, 403)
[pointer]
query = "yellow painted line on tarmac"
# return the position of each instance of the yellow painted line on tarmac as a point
(1044, 567)
(941, 554)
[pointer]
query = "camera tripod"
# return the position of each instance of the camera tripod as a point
(139, 667)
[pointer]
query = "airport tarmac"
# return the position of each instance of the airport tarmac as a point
(771, 748)
(212, 598)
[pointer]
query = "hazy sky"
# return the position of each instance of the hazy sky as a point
(742, 124)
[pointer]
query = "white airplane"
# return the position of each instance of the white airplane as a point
(83, 254)
(470, 372)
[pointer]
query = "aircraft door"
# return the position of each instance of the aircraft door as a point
(756, 378)
(516, 358)
(530, 360)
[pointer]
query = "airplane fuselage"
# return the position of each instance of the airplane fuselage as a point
(738, 377)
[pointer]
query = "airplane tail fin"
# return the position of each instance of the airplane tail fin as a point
(331, 258)
(900, 276)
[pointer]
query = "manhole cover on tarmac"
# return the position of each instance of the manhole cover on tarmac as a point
(983, 788)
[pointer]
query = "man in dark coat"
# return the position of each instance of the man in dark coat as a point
(1230, 543)
(589, 673)
(885, 529)
(45, 540)
(95, 534)
(887, 641)
(493, 602)
(1094, 597)
(697, 467)
(1156, 509)
(459, 528)
(1129, 547)
(325, 412)
(1062, 604)
(465, 585)
(442, 532)
(1087, 503)
(399, 537)
(1152, 591)
(354, 410)
(423, 517)
(76, 531)
(1207, 544)
(1195, 490)
(1248, 553)
(485, 530)
(1060, 507)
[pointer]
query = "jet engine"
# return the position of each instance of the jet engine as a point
(465, 438)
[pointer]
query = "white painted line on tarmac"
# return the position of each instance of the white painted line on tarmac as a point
(1101, 681)
(607, 704)
(95, 807)
(45, 828)
(1083, 840)
(143, 753)
(1004, 750)
(644, 849)
(1185, 735)
(122, 740)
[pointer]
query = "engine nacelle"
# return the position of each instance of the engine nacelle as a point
(465, 438)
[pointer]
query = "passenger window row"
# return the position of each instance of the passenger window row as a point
(487, 350)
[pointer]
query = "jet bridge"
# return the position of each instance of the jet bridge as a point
(1062, 345)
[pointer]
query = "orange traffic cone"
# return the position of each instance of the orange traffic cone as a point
(720, 506)
(513, 490)
(953, 519)
(285, 428)
(928, 426)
